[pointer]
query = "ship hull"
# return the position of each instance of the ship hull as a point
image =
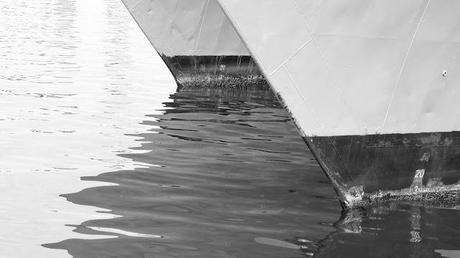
(197, 42)
(214, 71)
(371, 85)
(422, 167)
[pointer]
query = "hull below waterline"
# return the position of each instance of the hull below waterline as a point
(423, 167)
(215, 71)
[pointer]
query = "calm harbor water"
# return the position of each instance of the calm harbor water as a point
(103, 157)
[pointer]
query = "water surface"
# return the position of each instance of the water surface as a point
(102, 157)
(75, 79)
(234, 179)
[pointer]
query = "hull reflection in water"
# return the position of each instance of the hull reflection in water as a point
(232, 182)
(234, 179)
(395, 230)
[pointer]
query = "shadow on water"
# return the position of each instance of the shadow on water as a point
(231, 177)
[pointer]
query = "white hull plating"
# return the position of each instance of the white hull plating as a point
(197, 42)
(187, 27)
(358, 67)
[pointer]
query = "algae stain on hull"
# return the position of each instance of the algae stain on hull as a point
(422, 167)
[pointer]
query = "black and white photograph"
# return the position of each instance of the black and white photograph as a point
(229, 128)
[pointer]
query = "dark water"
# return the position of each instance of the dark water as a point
(233, 176)
(236, 180)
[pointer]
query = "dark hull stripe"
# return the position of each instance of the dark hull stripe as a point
(214, 71)
(375, 168)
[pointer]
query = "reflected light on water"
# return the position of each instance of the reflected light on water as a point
(76, 78)
(124, 232)
(448, 253)
(101, 157)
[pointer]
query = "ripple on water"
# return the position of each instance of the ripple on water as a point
(215, 191)
(94, 164)
(60, 120)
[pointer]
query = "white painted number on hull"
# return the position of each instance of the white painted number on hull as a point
(425, 157)
(419, 173)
